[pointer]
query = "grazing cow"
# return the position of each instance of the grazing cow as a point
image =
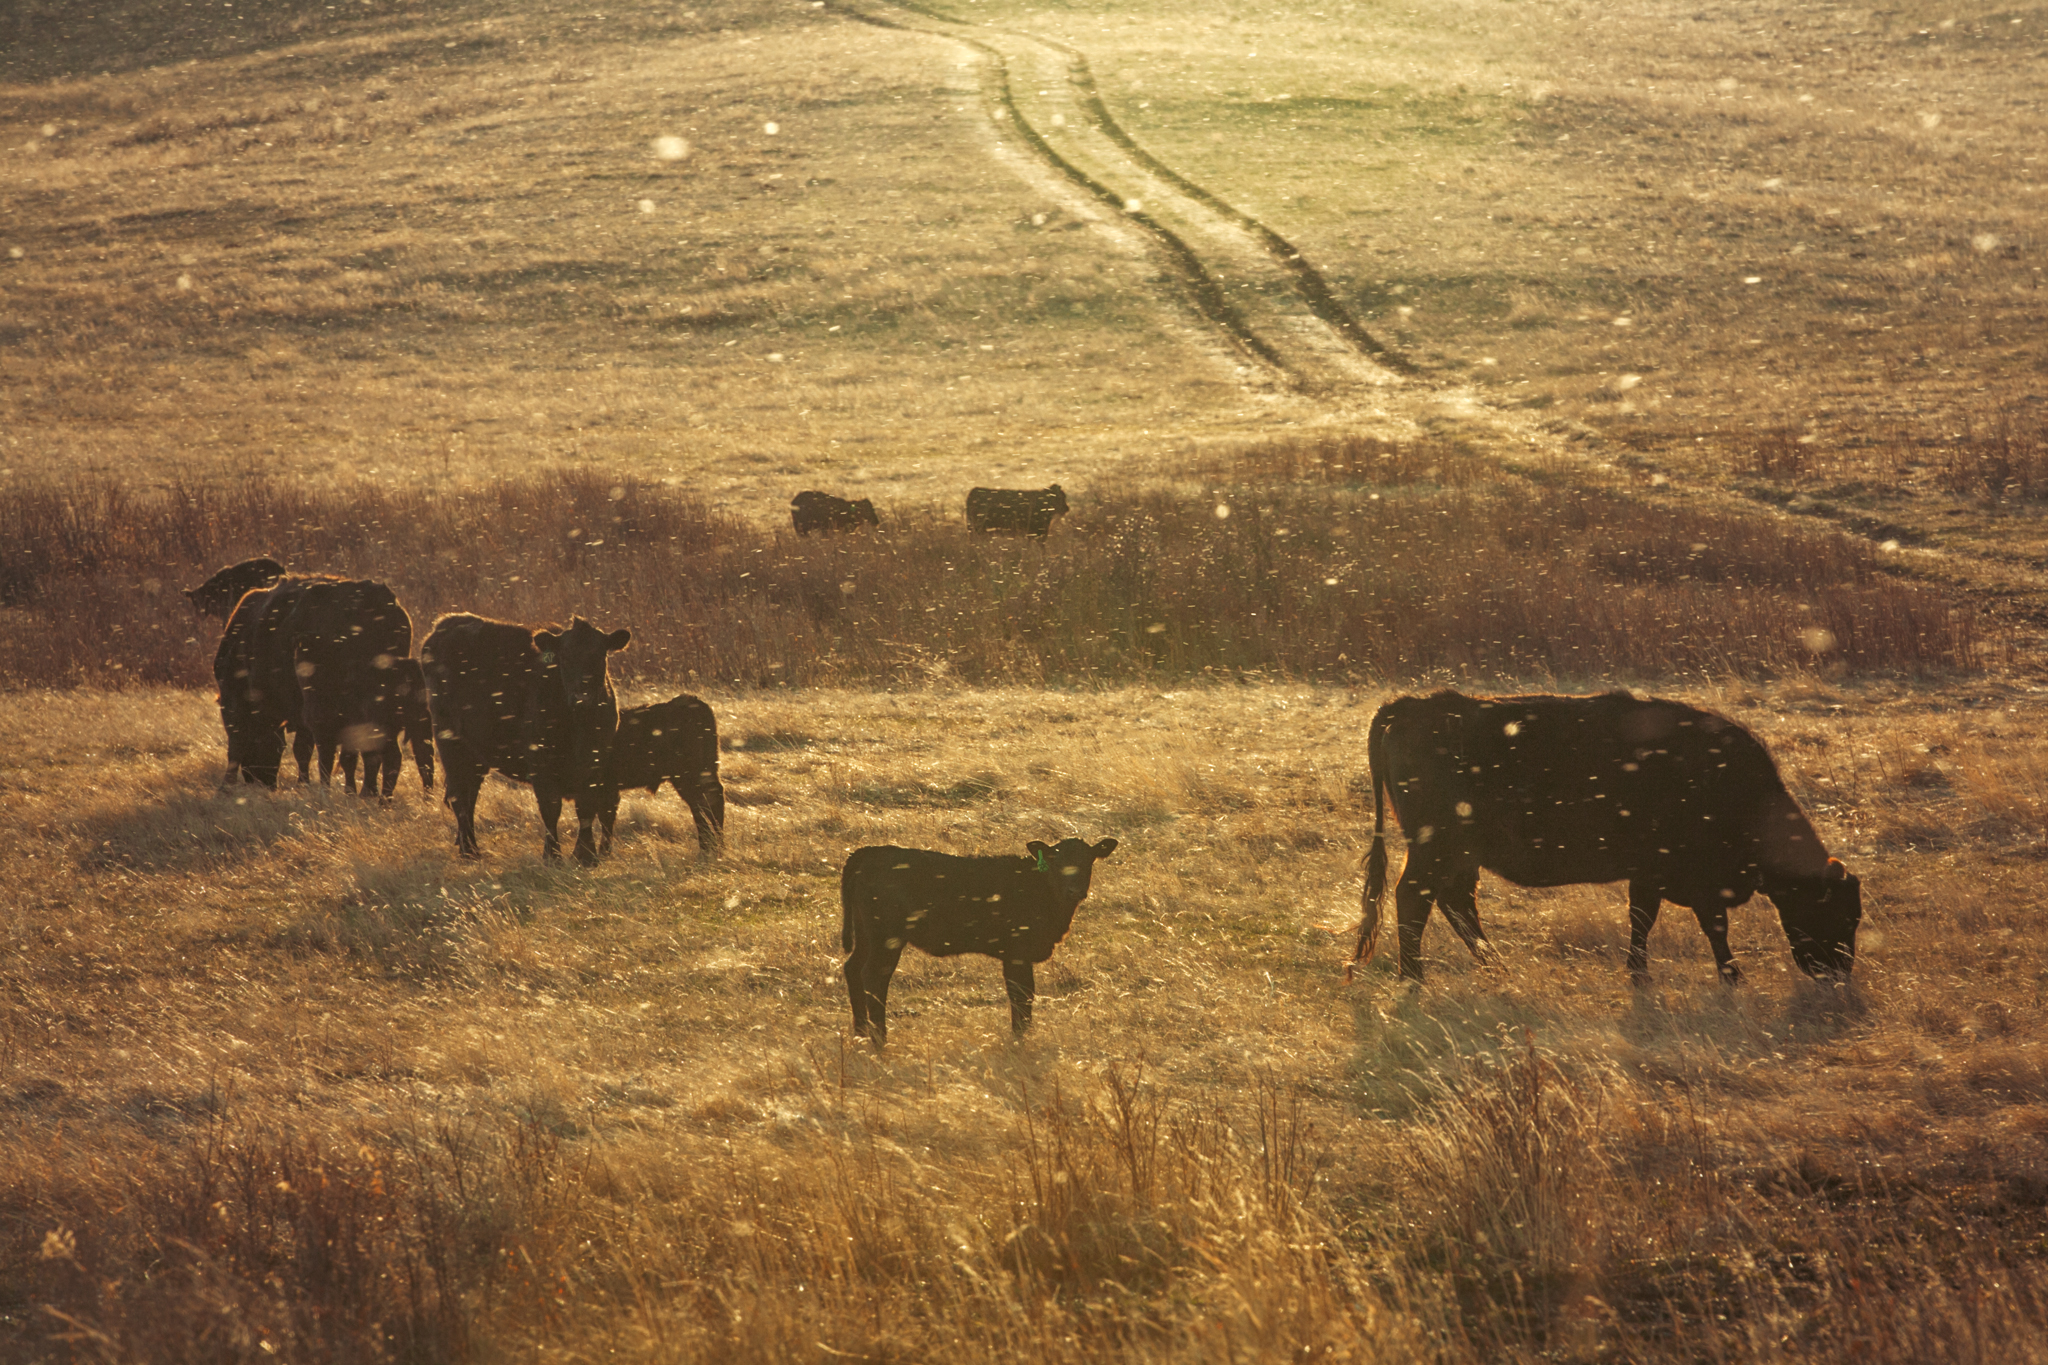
(217, 596)
(1682, 804)
(535, 705)
(811, 511)
(255, 666)
(348, 638)
(1015, 509)
(1013, 909)
(675, 742)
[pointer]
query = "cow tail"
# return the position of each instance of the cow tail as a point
(1376, 859)
(846, 905)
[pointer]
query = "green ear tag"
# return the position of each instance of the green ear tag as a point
(547, 657)
(1041, 861)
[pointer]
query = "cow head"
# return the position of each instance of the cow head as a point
(578, 656)
(1069, 864)
(1820, 915)
(1055, 500)
(864, 512)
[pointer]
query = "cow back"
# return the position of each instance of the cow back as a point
(1028, 510)
(1550, 791)
(346, 639)
(946, 904)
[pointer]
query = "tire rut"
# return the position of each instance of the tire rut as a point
(1243, 278)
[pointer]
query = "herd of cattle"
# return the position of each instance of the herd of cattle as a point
(1682, 804)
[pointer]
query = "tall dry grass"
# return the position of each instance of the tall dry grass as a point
(276, 1068)
(1339, 559)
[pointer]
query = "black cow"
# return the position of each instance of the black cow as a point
(348, 640)
(1015, 509)
(1682, 804)
(217, 596)
(535, 705)
(255, 666)
(397, 708)
(811, 511)
(1013, 909)
(675, 742)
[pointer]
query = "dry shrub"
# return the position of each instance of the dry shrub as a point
(1328, 577)
(242, 1244)
(1120, 1223)
(2008, 459)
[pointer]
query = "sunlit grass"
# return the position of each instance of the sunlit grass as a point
(635, 1087)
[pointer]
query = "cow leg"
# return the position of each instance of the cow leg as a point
(327, 757)
(586, 843)
(394, 758)
(1713, 918)
(1412, 904)
(1460, 900)
(1023, 990)
(302, 753)
(1643, 901)
(875, 974)
(607, 818)
(550, 802)
(854, 969)
(707, 808)
(463, 786)
(349, 759)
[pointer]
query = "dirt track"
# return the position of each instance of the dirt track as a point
(1243, 278)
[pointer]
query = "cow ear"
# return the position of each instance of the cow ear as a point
(1104, 849)
(1038, 848)
(1836, 871)
(547, 641)
(618, 639)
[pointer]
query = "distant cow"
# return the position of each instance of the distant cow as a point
(535, 705)
(217, 596)
(811, 511)
(675, 742)
(1682, 804)
(1015, 509)
(1013, 909)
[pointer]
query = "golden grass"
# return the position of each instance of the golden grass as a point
(620, 1112)
(280, 1076)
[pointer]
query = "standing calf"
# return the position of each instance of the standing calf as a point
(674, 742)
(1013, 909)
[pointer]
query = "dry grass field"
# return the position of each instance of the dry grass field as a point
(1724, 379)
